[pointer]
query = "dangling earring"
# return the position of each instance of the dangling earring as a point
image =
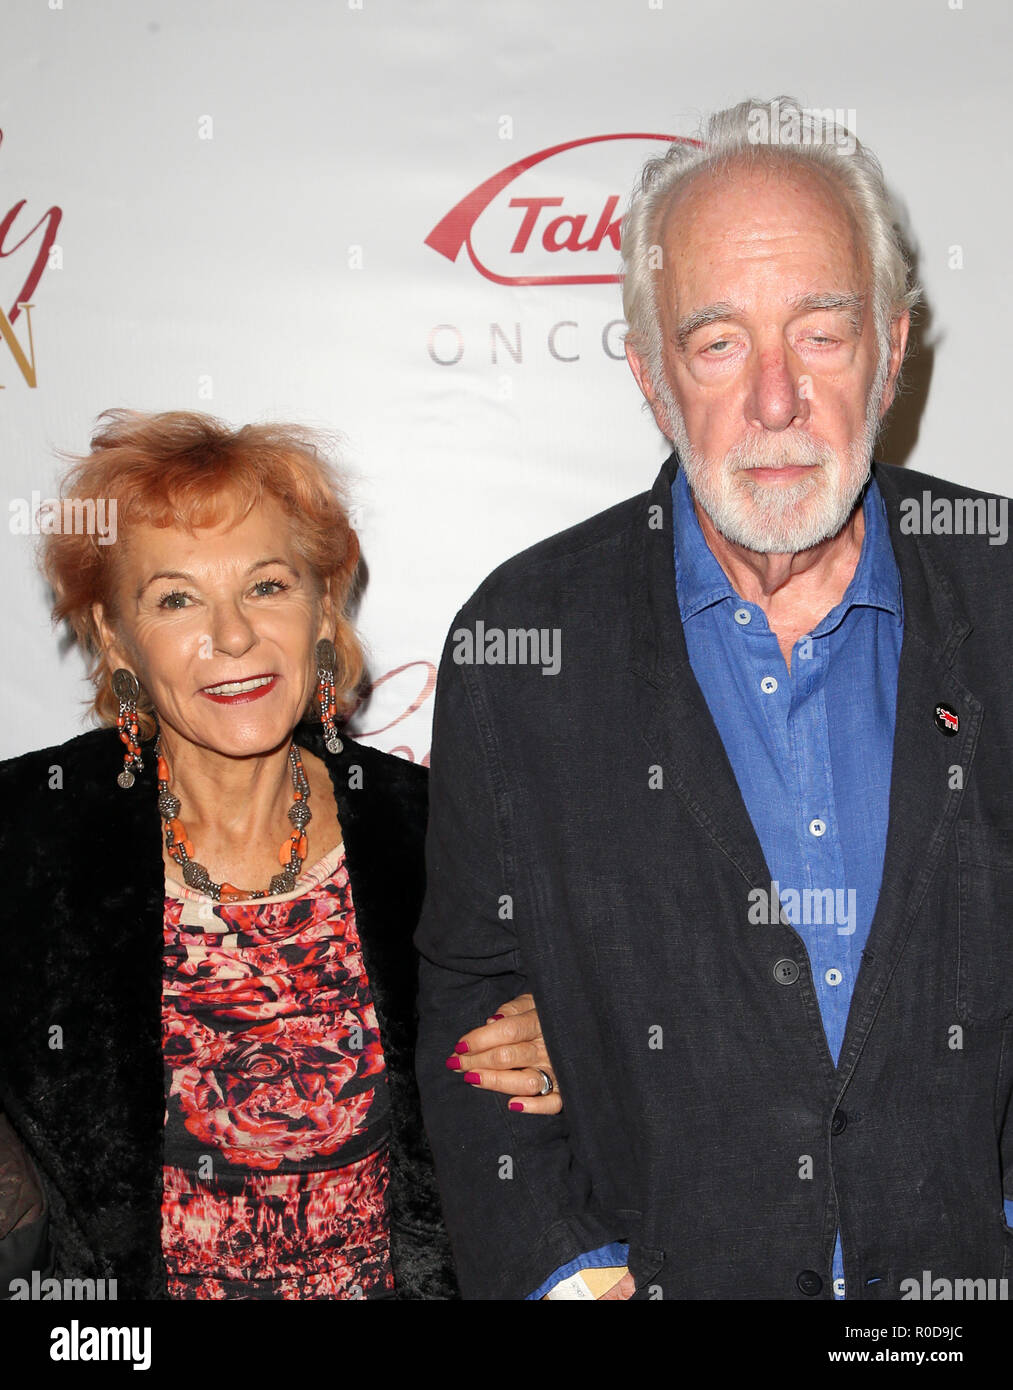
(327, 660)
(126, 690)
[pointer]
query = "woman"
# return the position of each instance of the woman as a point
(224, 1107)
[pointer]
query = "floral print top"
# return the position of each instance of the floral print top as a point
(277, 1108)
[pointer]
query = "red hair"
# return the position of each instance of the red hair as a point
(181, 468)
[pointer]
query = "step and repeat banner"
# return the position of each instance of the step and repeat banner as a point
(399, 223)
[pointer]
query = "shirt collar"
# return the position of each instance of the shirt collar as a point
(701, 582)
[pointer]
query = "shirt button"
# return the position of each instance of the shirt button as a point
(839, 1289)
(785, 972)
(768, 685)
(839, 1123)
(809, 1282)
(743, 616)
(817, 827)
(833, 976)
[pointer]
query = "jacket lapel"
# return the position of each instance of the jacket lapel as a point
(675, 720)
(923, 805)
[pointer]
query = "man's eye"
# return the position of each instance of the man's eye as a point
(721, 343)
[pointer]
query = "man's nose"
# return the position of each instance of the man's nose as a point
(777, 396)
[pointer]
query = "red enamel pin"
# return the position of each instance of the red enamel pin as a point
(947, 720)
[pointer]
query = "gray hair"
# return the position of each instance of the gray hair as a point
(804, 136)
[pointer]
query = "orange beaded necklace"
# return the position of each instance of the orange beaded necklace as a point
(291, 855)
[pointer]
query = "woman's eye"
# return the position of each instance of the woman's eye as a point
(267, 587)
(176, 599)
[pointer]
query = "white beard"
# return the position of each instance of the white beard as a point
(778, 518)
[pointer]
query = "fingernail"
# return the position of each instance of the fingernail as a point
(495, 1016)
(472, 1077)
(516, 1105)
(454, 1063)
(462, 1046)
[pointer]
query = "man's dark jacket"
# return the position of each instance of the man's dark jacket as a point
(81, 950)
(587, 840)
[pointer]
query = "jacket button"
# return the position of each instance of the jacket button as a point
(785, 972)
(839, 1122)
(809, 1282)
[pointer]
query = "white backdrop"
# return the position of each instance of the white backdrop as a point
(246, 189)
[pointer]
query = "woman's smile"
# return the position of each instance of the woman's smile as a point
(241, 692)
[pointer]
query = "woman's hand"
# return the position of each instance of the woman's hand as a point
(502, 1054)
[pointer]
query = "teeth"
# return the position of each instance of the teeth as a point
(238, 687)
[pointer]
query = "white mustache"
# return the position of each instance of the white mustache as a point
(803, 452)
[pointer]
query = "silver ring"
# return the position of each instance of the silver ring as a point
(548, 1085)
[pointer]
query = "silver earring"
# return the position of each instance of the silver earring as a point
(327, 660)
(126, 690)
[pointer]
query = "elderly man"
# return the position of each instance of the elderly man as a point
(752, 848)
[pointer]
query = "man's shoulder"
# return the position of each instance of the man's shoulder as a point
(902, 483)
(961, 532)
(592, 550)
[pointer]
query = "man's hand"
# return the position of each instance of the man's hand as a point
(623, 1290)
(502, 1054)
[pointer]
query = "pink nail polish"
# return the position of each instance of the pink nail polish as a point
(472, 1077)
(516, 1105)
(462, 1046)
(454, 1063)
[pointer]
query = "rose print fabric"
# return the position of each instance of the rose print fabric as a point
(277, 1109)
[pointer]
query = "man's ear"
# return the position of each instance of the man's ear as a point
(638, 367)
(898, 342)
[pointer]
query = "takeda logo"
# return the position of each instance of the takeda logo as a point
(30, 251)
(552, 218)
